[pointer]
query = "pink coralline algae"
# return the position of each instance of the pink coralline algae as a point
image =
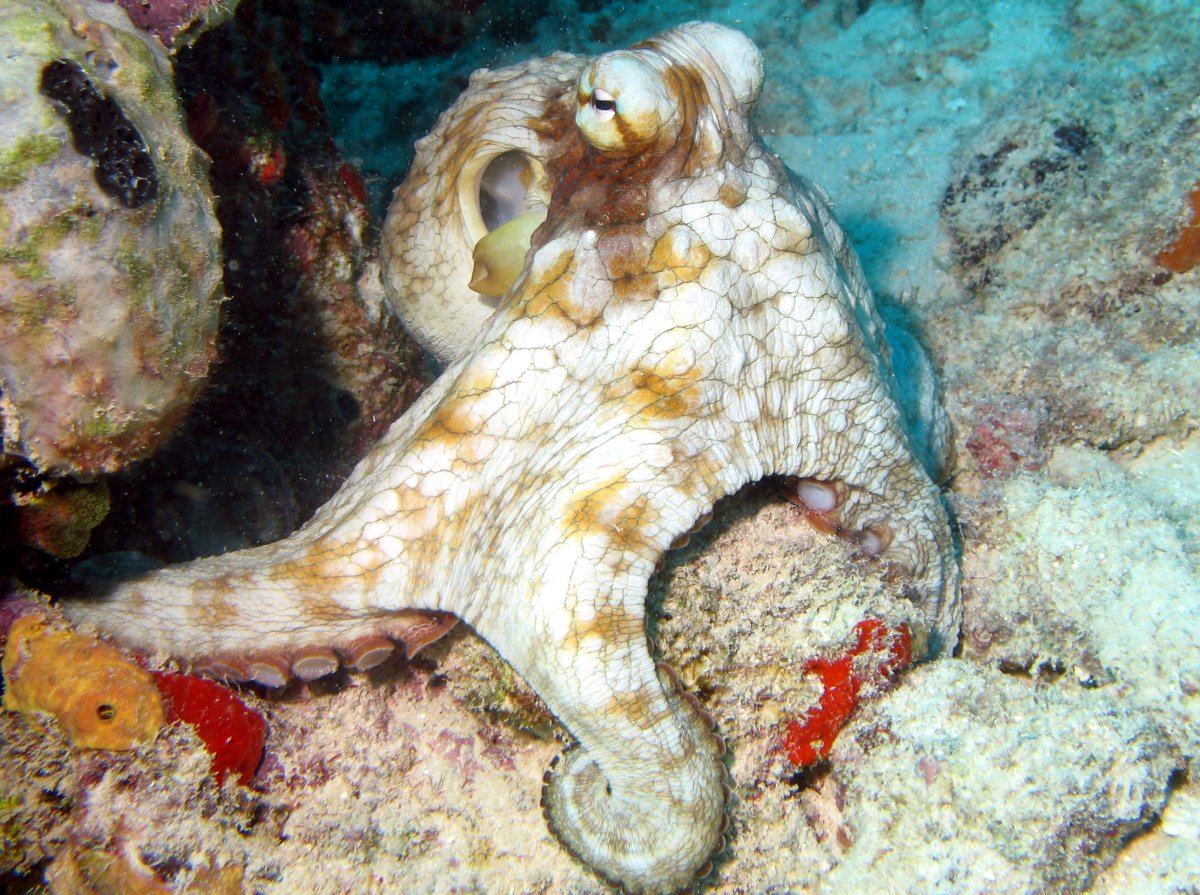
(877, 655)
(170, 20)
(1007, 437)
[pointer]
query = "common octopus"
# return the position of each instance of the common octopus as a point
(673, 314)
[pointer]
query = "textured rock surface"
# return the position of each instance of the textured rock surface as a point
(178, 22)
(110, 270)
(1124, 623)
(954, 754)
(1061, 280)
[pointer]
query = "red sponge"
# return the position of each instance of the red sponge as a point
(887, 650)
(232, 731)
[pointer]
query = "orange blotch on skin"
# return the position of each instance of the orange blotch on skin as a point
(454, 419)
(100, 698)
(323, 571)
(642, 287)
(1184, 252)
(610, 624)
(650, 394)
(625, 250)
(675, 252)
(636, 706)
(732, 194)
(219, 606)
(457, 418)
(607, 510)
(549, 294)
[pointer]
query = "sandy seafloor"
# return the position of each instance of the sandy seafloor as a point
(1008, 172)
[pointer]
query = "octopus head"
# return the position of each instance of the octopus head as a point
(644, 100)
(459, 230)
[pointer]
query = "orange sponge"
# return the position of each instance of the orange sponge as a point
(102, 699)
(1184, 253)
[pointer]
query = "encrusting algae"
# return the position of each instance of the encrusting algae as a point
(101, 699)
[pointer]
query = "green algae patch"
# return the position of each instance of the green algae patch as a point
(25, 260)
(11, 852)
(140, 279)
(30, 31)
(28, 256)
(27, 153)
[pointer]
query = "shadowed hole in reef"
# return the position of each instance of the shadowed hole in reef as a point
(304, 377)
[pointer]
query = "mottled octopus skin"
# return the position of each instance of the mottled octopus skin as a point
(689, 319)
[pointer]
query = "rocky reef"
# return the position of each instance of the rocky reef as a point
(111, 266)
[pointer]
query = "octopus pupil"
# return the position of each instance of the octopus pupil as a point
(106, 712)
(603, 105)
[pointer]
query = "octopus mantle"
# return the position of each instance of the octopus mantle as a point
(689, 318)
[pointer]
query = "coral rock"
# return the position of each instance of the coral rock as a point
(102, 699)
(1007, 437)
(92, 871)
(61, 520)
(110, 270)
(178, 22)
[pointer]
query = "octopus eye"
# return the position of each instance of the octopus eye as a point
(603, 103)
(648, 117)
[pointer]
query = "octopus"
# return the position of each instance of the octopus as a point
(640, 310)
